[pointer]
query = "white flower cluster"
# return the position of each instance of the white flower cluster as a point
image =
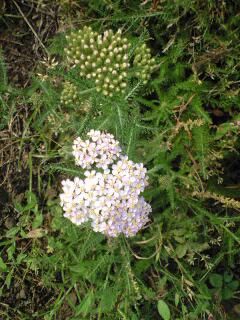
(101, 149)
(110, 199)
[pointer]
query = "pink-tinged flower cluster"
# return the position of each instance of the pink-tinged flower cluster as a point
(111, 200)
(101, 149)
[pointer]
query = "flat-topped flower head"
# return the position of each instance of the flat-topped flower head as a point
(100, 57)
(101, 150)
(110, 199)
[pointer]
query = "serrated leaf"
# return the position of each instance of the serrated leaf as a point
(36, 233)
(177, 299)
(179, 239)
(12, 232)
(163, 310)
(85, 306)
(233, 285)
(216, 280)
(21, 257)
(227, 293)
(108, 299)
(11, 250)
(9, 278)
(31, 199)
(227, 277)
(3, 266)
(38, 220)
(181, 250)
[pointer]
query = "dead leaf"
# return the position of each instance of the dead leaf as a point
(36, 233)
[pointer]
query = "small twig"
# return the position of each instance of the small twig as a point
(86, 91)
(12, 15)
(194, 168)
(30, 26)
(146, 241)
(139, 257)
(183, 106)
(12, 41)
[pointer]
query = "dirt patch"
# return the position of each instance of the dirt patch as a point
(25, 28)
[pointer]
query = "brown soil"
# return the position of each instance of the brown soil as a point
(25, 28)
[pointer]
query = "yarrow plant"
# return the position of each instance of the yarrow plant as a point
(110, 199)
(104, 58)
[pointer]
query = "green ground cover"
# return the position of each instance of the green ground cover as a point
(178, 114)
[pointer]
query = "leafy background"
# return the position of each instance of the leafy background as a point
(183, 125)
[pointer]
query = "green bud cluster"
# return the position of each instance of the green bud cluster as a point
(69, 94)
(102, 58)
(144, 63)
